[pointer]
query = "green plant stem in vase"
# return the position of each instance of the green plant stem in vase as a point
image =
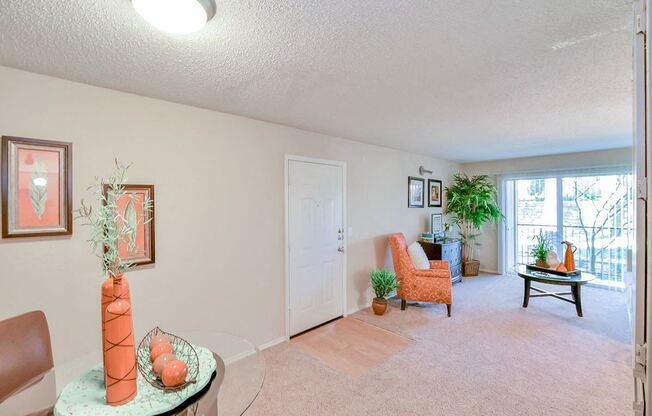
(383, 282)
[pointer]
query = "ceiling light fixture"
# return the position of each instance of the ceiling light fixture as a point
(176, 16)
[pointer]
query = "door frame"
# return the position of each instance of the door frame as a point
(286, 178)
(642, 327)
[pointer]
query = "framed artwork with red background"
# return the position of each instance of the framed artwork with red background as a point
(36, 188)
(137, 247)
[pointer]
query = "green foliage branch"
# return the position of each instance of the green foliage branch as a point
(543, 246)
(109, 225)
(383, 282)
(472, 202)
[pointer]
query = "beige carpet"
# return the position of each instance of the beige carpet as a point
(491, 358)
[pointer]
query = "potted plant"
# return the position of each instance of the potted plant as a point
(383, 283)
(472, 202)
(541, 250)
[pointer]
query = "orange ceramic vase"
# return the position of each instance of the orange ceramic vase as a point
(107, 298)
(569, 257)
(120, 354)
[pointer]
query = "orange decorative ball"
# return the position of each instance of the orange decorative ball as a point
(161, 361)
(174, 373)
(158, 339)
(162, 348)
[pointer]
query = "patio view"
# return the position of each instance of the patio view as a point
(593, 212)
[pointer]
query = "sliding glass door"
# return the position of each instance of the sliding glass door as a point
(594, 212)
(536, 210)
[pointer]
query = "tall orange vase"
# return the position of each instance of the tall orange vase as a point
(569, 257)
(107, 298)
(120, 353)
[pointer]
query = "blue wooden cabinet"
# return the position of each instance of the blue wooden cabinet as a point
(450, 251)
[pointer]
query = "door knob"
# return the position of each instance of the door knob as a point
(340, 249)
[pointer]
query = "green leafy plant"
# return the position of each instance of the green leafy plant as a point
(542, 248)
(472, 202)
(110, 225)
(383, 282)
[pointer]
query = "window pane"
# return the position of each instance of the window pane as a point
(598, 220)
(536, 210)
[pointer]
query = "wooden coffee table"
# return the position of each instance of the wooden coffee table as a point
(575, 283)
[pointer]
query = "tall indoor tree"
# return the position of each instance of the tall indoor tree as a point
(472, 202)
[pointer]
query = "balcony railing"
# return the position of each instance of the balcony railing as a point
(601, 251)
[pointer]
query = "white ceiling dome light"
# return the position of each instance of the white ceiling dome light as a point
(176, 16)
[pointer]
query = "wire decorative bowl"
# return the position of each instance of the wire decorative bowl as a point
(183, 350)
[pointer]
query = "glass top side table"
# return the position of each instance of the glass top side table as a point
(240, 376)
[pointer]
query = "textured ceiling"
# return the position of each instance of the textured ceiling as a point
(464, 80)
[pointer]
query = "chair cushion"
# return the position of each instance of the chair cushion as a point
(434, 273)
(418, 256)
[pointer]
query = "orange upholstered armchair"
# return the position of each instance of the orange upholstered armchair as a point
(431, 285)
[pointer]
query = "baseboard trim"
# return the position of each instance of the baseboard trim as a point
(359, 308)
(272, 343)
(489, 271)
(238, 357)
(281, 340)
(261, 347)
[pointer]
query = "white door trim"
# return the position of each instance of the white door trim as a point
(295, 158)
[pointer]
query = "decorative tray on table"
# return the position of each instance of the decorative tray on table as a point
(536, 268)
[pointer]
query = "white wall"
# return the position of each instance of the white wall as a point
(489, 250)
(219, 211)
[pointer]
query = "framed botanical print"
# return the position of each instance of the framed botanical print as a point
(415, 192)
(36, 187)
(436, 224)
(434, 193)
(136, 211)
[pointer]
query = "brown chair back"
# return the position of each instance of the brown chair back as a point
(25, 352)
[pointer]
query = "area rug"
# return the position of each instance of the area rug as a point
(350, 345)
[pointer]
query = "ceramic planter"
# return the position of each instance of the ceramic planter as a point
(379, 306)
(541, 263)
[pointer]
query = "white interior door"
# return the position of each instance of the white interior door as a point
(315, 243)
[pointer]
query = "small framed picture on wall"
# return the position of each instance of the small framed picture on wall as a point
(436, 224)
(434, 193)
(415, 192)
(36, 188)
(136, 208)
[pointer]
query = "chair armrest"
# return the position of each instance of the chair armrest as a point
(433, 273)
(439, 264)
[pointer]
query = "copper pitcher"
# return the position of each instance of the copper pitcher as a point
(569, 257)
